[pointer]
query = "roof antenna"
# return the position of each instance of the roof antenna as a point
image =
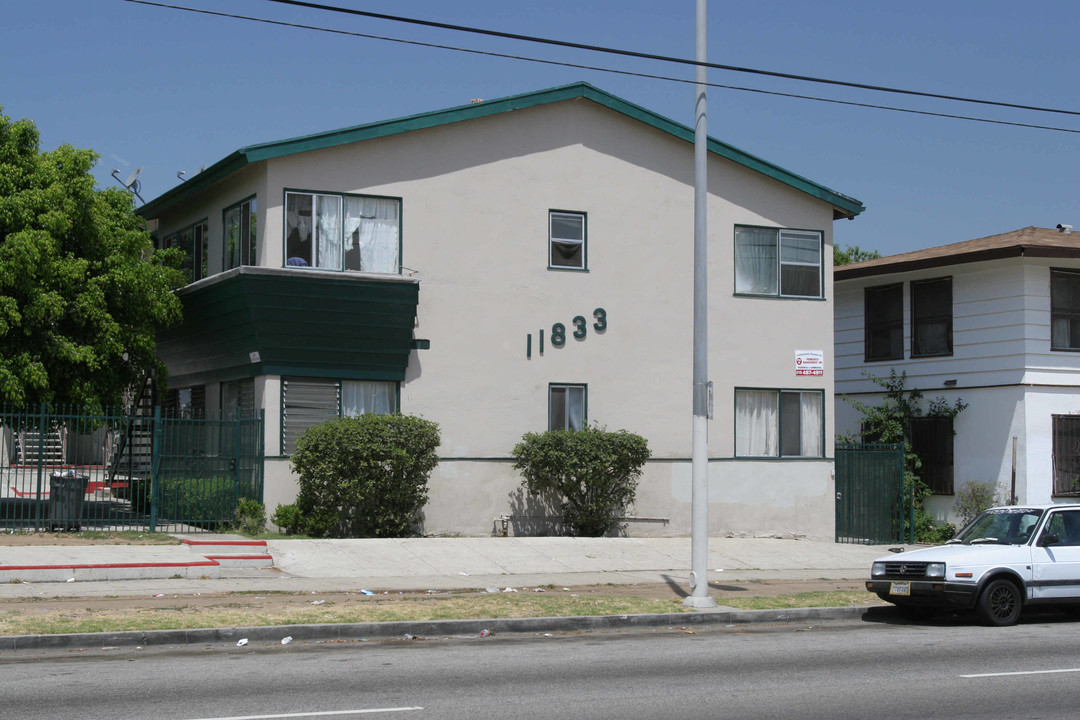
(132, 183)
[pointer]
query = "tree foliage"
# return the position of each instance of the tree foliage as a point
(889, 423)
(593, 472)
(363, 476)
(82, 292)
(852, 254)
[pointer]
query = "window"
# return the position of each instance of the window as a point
(931, 317)
(566, 407)
(240, 234)
(785, 263)
(883, 337)
(1066, 454)
(779, 423)
(238, 399)
(566, 240)
(342, 232)
(1064, 310)
(194, 241)
(306, 403)
(189, 402)
(931, 439)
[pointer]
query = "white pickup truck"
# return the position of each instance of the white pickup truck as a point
(1006, 559)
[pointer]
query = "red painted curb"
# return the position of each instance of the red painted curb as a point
(200, 543)
(238, 557)
(197, 563)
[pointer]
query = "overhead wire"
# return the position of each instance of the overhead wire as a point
(594, 68)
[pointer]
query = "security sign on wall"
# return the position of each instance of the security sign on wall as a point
(809, 362)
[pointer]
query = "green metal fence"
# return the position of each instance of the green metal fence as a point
(69, 469)
(870, 500)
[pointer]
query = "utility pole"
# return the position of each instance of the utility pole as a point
(699, 518)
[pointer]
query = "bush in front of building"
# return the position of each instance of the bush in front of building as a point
(593, 473)
(365, 476)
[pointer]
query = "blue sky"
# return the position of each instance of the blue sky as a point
(170, 90)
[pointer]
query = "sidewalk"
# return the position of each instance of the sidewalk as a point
(229, 563)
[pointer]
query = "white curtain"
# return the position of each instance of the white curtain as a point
(756, 423)
(575, 408)
(811, 424)
(359, 397)
(371, 229)
(328, 232)
(755, 261)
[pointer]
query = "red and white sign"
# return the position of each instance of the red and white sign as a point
(809, 362)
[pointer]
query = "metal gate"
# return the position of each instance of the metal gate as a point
(102, 471)
(870, 493)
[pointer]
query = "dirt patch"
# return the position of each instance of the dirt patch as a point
(85, 538)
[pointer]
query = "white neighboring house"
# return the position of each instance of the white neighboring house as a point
(994, 322)
(510, 266)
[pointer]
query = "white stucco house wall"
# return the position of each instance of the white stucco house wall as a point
(993, 322)
(512, 266)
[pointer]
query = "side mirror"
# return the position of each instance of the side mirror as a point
(1048, 539)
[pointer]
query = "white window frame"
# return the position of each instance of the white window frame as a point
(567, 241)
(766, 408)
(775, 285)
(345, 247)
(325, 400)
(574, 404)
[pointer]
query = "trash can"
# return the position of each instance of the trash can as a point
(67, 495)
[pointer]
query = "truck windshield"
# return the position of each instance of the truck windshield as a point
(1003, 526)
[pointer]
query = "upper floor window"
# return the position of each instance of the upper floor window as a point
(566, 240)
(194, 241)
(566, 407)
(784, 263)
(779, 423)
(1064, 310)
(342, 232)
(883, 326)
(931, 317)
(240, 235)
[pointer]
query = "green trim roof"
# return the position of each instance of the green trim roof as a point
(844, 206)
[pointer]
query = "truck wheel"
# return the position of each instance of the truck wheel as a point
(999, 604)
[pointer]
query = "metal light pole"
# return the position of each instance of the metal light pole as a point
(699, 519)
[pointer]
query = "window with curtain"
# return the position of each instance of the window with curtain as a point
(883, 325)
(306, 402)
(240, 235)
(566, 240)
(779, 262)
(342, 232)
(566, 407)
(931, 317)
(779, 423)
(1064, 310)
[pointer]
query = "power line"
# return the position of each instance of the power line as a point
(663, 58)
(579, 66)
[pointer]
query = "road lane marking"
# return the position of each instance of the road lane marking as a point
(324, 713)
(1024, 672)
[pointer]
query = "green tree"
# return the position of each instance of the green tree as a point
(593, 472)
(82, 292)
(852, 254)
(889, 423)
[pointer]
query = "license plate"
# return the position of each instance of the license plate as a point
(900, 588)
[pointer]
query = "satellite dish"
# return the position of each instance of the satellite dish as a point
(132, 177)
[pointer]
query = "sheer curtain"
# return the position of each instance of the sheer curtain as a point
(755, 261)
(359, 397)
(811, 425)
(756, 426)
(371, 228)
(328, 232)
